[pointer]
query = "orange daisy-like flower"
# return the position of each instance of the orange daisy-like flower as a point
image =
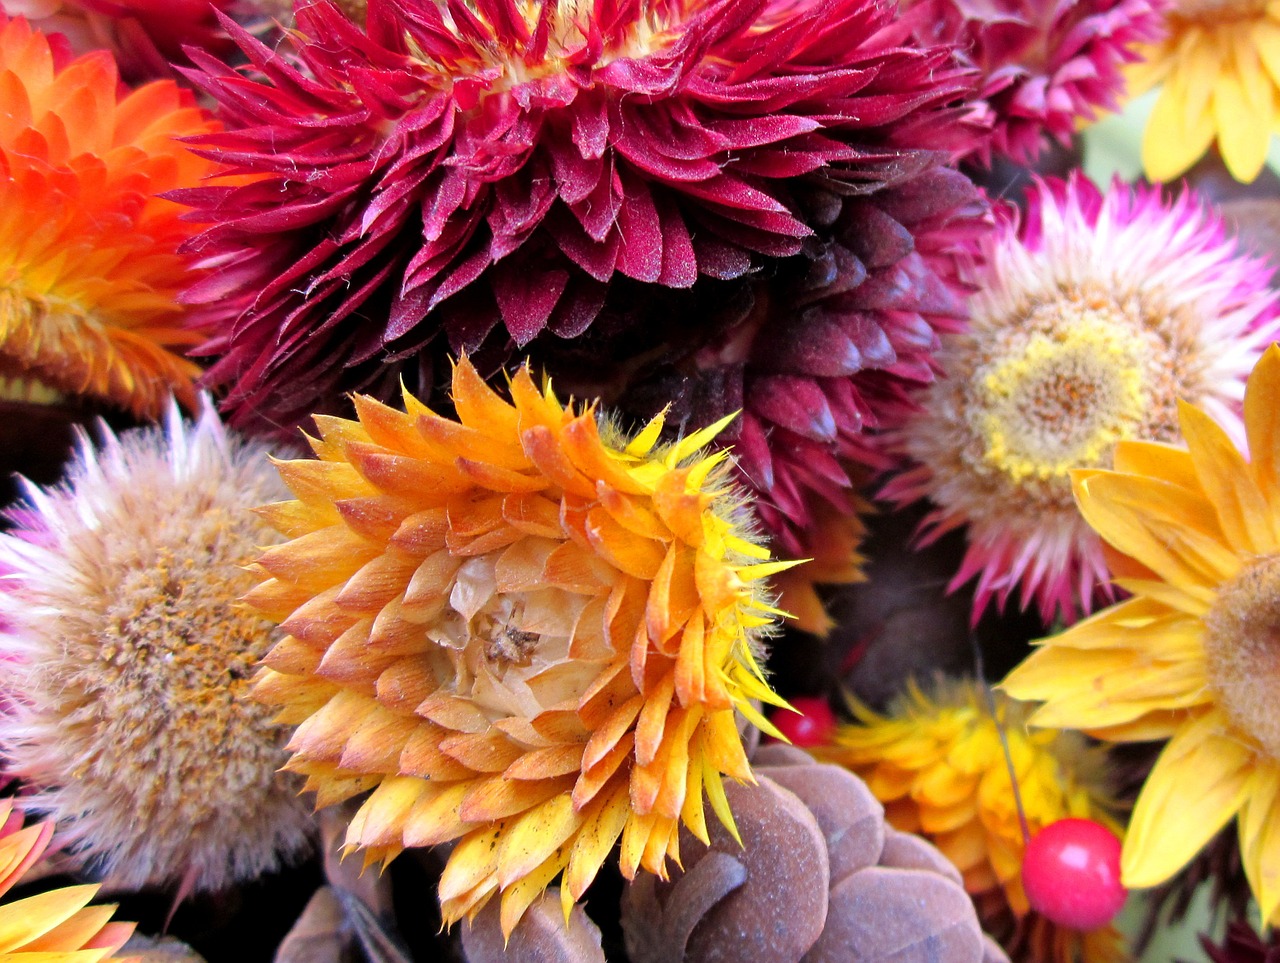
(89, 263)
(521, 630)
(53, 927)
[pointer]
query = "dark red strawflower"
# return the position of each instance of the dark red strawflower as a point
(816, 353)
(478, 172)
(1046, 65)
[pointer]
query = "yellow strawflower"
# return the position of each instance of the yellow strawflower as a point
(522, 631)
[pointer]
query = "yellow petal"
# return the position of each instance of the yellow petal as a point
(1242, 509)
(1260, 839)
(1170, 145)
(27, 919)
(1244, 128)
(1170, 824)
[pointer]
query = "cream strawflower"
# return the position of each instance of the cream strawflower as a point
(125, 659)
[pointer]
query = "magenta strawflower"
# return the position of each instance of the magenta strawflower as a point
(1045, 65)
(482, 171)
(1097, 314)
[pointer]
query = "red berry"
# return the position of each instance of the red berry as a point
(812, 725)
(1071, 872)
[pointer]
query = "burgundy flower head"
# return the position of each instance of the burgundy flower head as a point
(1045, 65)
(484, 169)
(816, 353)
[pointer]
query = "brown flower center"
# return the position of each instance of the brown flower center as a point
(1242, 646)
(1213, 12)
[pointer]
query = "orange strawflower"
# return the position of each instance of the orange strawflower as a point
(57, 925)
(89, 263)
(521, 630)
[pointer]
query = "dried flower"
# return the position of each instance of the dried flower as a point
(1218, 65)
(521, 630)
(144, 36)
(1045, 66)
(461, 166)
(853, 888)
(1192, 656)
(89, 256)
(937, 764)
(126, 659)
(56, 925)
(1098, 313)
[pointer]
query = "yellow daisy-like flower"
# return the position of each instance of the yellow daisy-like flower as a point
(937, 764)
(1219, 64)
(1194, 656)
(53, 927)
(521, 631)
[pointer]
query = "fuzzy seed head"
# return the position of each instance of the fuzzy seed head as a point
(128, 656)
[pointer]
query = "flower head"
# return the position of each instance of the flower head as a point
(1045, 67)
(89, 263)
(1097, 314)
(1192, 657)
(125, 658)
(474, 163)
(58, 924)
(1218, 67)
(521, 630)
(937, 764)
(144, 36)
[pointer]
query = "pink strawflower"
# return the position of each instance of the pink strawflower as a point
(1046, 65)
(472, 173)
(1097, 314)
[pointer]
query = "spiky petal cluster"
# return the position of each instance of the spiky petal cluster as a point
(465, 164)
(125, 659)
(816, 353)
(54, 926)
(1096, 315)
(520, 634)
(89, 263)
(1193, 657)
(937, 763)
(1045, 66)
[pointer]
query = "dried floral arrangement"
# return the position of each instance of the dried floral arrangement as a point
(639, 480)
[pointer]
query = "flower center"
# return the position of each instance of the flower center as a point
(1060, 399)
(1213, 12)
(1242, 647)
(557, 46)
(507, 650)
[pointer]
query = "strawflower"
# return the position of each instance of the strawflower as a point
(125, 659)
(485, 171)
(521, 630)
(1045, 67)
(1218, 67)
(144, 36)
(89, 264)
(57, 926)
(1191, 657)
(1098, 312)
(936, 762)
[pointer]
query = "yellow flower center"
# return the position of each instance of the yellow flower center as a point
(1214, 12)
(1242, 648)
(1061, 398)
(568, 26)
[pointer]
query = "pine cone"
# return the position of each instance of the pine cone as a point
(820, 878)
